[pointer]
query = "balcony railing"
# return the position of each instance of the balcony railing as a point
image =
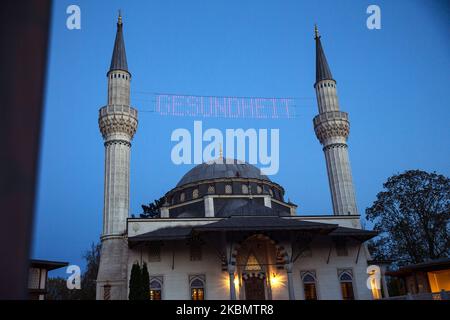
(330, 115)
(443, 295)
(118, 108)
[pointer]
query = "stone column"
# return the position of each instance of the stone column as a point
(268, 201)
(231, 269)
(289, 266)
(383, 282)
(209, 206)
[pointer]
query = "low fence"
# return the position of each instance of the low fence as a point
(443, 295)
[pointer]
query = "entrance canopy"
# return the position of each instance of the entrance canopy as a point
(242, 224)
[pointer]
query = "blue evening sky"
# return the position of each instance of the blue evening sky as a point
(393, 82)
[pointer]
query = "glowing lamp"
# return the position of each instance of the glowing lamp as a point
(274, 280)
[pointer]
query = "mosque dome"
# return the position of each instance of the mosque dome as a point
(238, 188)
(226, 168)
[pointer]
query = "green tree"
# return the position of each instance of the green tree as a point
(152, 209)
(57, 287)
(145, 283)
(89, 276)
(135, 283)
(57, 290)
(412, 216)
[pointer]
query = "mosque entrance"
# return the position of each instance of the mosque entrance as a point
(254, 288)
(257, 258)
(254, 278)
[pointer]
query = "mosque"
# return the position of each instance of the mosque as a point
(225, 231)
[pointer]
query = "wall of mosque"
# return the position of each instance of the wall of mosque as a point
(173, 264)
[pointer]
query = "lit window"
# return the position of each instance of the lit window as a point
(346, 280)
(309, 285)
(197, 285)
(228, 189)
(156, 288)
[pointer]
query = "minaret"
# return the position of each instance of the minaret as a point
(118, 123)
(332, 129)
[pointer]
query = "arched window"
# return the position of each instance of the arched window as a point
(309, 285)
(155, 288)
(197, 285)
(346, 280)
(211, 189)
(245, 189)
(275, 193)
(259, 189)
(195, 194)
(228, 189)
(182, 197)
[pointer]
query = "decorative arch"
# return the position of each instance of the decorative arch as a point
(281, 254)
(308, 277)
(345, 276)
(197, 287)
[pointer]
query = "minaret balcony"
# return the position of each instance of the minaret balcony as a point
(332, 124)
(118, 122)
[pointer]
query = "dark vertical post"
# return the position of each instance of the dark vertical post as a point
(23, 56)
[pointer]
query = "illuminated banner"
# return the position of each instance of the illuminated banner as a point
(224, 107)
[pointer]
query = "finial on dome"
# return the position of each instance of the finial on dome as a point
(119, 20)
(316, 32)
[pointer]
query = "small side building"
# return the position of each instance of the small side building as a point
(425, 279)
(38, 275)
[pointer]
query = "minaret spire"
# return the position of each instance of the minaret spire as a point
(332, 128)
(118, 122)
(322, 69)
(119, 57)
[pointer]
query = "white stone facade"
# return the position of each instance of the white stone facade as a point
(175, 266)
